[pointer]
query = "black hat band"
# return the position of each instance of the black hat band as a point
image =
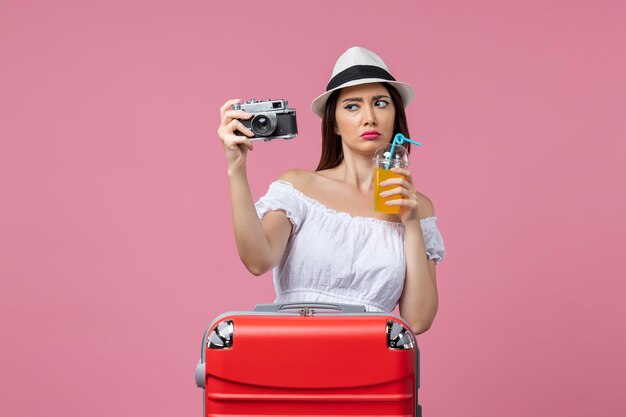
(358, 72)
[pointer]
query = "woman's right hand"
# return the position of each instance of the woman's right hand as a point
(235, 147)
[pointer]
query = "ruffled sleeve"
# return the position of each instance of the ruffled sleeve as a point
(433, 241)
(282, 196)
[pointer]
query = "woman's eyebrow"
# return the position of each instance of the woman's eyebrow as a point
(360, 99)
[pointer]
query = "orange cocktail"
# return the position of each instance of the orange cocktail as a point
(381, 174)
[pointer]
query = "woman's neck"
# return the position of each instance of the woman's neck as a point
(357, 170)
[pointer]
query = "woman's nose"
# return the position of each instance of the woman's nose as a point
(369, 117)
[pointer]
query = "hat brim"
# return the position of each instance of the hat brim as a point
(406, 92)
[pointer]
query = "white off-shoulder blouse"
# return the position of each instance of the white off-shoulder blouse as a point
(334, 257)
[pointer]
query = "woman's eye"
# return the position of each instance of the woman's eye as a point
(351, 107)
(381, 103)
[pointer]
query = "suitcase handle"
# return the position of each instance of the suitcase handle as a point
(342, 308)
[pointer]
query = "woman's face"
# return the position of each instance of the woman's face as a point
(365, 117)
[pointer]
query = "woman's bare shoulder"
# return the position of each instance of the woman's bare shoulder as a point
(299, 178)
(308, 182)
(424, 206)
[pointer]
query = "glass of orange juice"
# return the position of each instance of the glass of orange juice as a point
(384, 160)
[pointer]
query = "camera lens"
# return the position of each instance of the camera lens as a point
(263, 124)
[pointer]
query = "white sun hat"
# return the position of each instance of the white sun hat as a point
(360, 66)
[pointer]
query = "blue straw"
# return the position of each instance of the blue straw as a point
(399, 139)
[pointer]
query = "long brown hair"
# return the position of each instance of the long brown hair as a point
(332, 152)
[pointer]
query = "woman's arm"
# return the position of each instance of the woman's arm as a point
(260, 243)
(419, 300)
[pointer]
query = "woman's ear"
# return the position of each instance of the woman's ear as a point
(337, 130)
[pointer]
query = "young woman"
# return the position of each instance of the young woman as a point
(319, 230)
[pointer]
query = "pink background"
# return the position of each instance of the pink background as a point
(116, 246)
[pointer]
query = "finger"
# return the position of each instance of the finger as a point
(399, 191)
(236, 114)
(403, 171)
(228, 105)
(229, 138)
(397, 181)
(237, 125)
(410, 204)
(234, 141)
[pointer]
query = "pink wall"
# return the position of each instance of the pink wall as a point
(116, 247)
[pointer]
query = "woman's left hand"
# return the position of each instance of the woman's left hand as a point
(406, 190)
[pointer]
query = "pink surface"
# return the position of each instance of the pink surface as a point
(116, 247)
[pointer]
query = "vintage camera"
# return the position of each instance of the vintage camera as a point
(271, 119)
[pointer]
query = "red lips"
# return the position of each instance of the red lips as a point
(370, 134)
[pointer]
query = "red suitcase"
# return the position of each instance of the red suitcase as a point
(309, 360)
